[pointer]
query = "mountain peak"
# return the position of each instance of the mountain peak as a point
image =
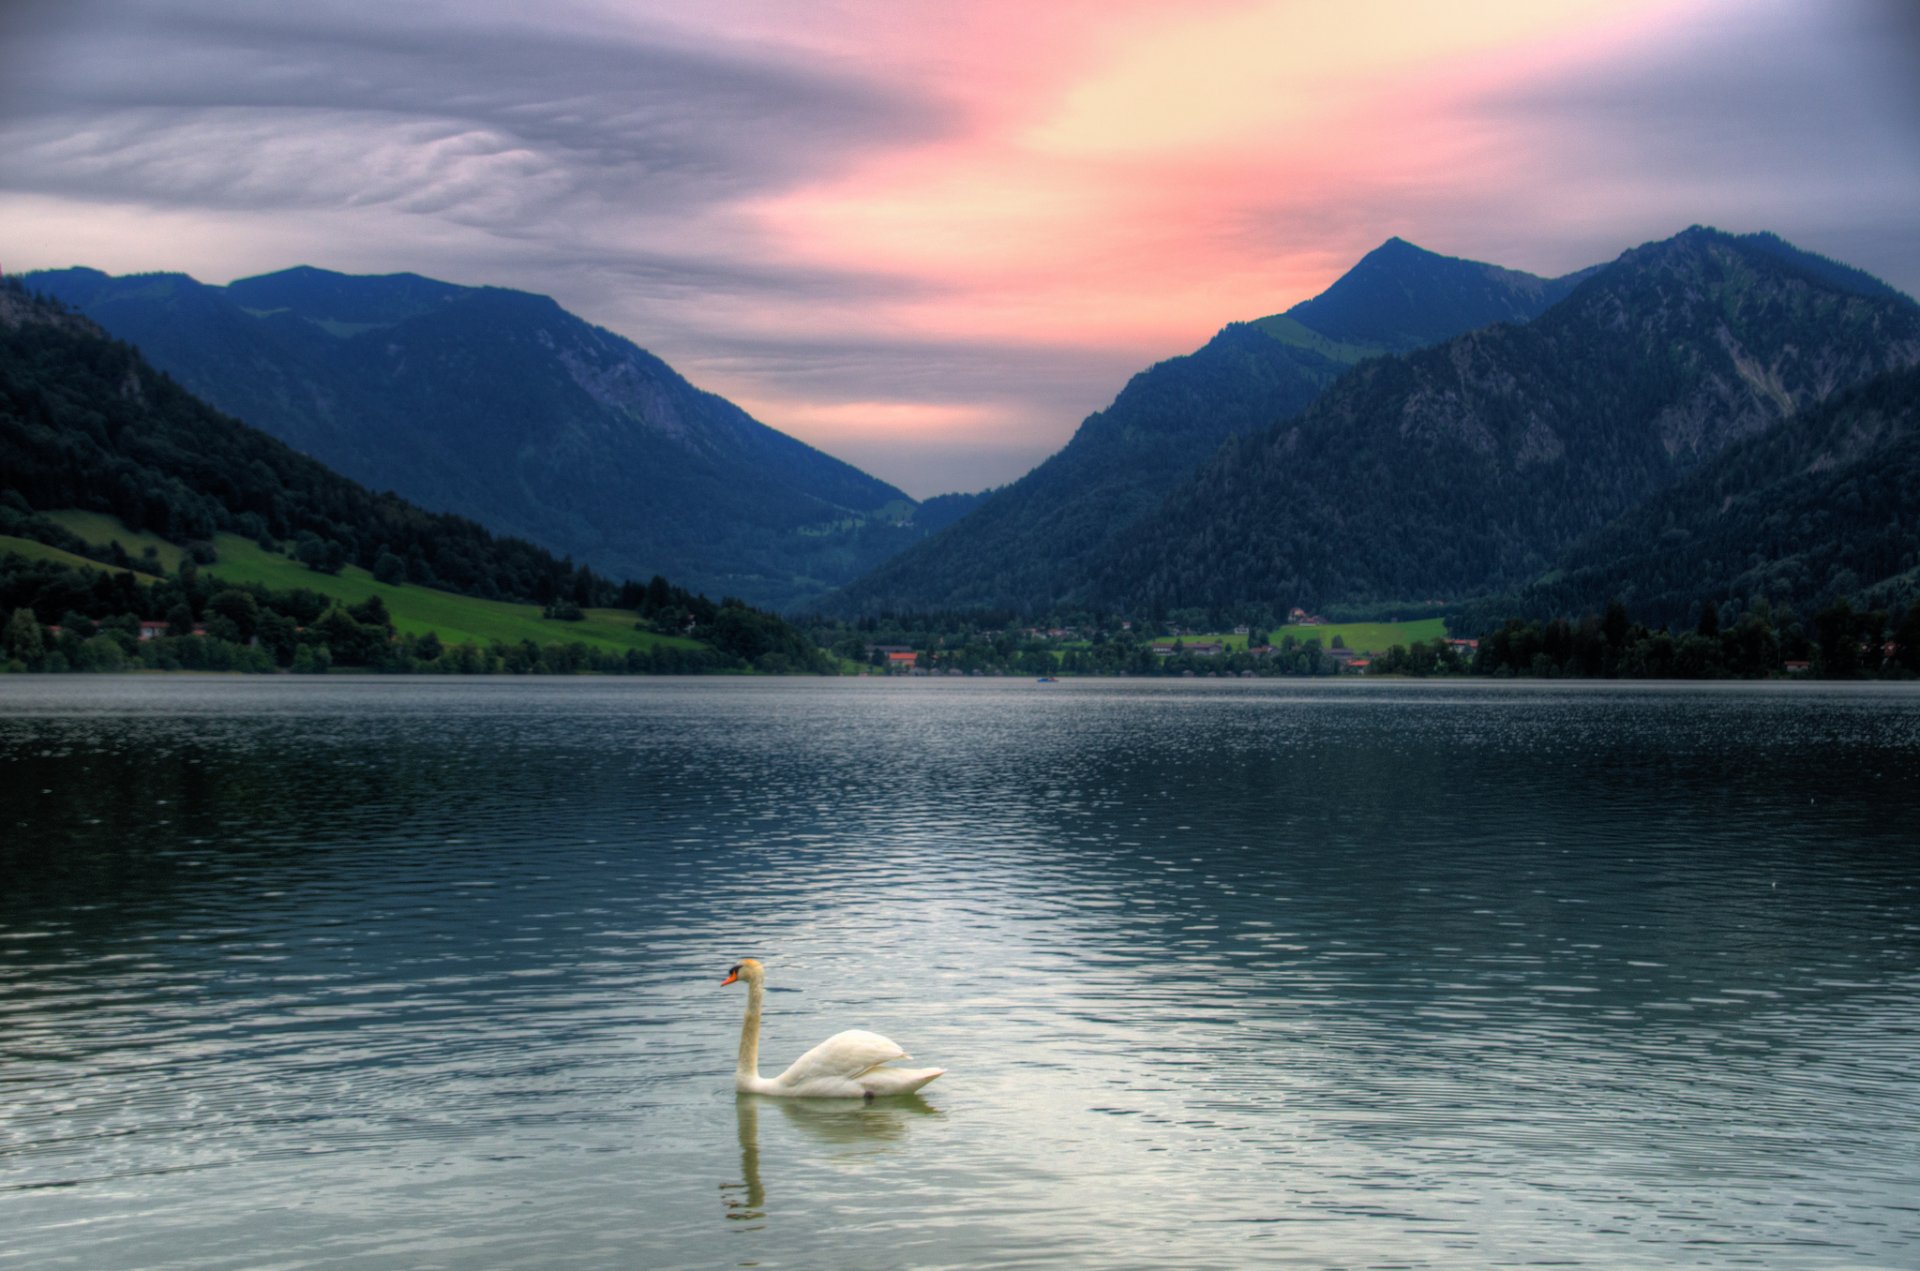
(1401, 296)
(1765, 250)
(322, 295)
(1398, 246)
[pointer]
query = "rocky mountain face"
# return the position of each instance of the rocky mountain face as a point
(86, 423)
(1470, 466)
(1821, 506)
(502, 406)
(1030, 544)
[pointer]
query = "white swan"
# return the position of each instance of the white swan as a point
(849, 1065)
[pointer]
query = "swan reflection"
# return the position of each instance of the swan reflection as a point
(845, 1127)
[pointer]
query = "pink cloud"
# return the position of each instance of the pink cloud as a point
(892, 227)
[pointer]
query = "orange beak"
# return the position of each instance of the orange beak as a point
(731, 977)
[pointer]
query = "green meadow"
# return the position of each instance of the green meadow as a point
(40, 551)
(1371, 637)
(415, 610)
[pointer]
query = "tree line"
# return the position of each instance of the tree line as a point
(72, 618)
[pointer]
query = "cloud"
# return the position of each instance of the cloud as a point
(471, 115)
(902, 229)
(1764, 115)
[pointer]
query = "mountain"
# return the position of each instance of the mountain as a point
(88, 426)
(1822, 506)
(1028, 544)
(1469, 466)
(503, 407)
(1401, 297)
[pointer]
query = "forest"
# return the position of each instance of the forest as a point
(86, 424)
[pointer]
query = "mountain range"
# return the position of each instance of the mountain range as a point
(1469, 467)
(503, 407)
(1029, 546)
(1428, 430)
(89, 430)
(1821, 507)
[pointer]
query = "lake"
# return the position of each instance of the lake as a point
(426, 973)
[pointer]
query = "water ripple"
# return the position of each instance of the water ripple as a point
(425, 973)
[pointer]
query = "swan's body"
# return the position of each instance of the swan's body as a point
(849, 1065)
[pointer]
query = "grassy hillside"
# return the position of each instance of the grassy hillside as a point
(1371, 637)
(415, 610)
(40, 551)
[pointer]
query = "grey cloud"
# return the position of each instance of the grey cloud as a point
(598, 115)
(1799, 119)
(1800, 86)
(1803, 119)
(1064, 383)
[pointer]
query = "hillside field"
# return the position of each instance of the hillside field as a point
(1366, 637)
(415, 609)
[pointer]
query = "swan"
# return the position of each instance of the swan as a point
(849, 1065)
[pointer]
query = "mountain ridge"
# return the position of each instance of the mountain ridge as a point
(1468, 466)
(502, 406)
(1171, 417)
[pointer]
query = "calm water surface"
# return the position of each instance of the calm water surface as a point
(385, 973)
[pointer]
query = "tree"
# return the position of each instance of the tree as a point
(318, 554)
(24, 639)
(351, 643)
(372, 612)
(101, 653)
(237, 607)
(1839, 643)
(1907, 637)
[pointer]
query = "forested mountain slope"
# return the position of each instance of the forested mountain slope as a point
(87, 425)
(1029, 544)
(1469, 466)
(503, 407)
(1821, 506)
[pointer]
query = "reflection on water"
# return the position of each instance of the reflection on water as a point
(751, 1203)
(379, 972)
(828, 1131)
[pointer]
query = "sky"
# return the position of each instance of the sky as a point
(930, 238)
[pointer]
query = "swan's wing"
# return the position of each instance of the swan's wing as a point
(842, 1056)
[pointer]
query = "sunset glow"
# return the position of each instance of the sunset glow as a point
(930, 239)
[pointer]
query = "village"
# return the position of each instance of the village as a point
(1307, 644)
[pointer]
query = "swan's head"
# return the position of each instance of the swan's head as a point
(745, 969)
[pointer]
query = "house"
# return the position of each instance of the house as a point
(1198, 649)
(1797, 666)
(1359, 665)
(1464, 646)
(902, 660)
(152, 629)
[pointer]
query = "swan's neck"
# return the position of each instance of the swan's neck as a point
(748, 1069)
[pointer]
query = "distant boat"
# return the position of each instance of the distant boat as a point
(1046, 679)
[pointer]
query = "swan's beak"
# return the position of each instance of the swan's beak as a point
(731, 977)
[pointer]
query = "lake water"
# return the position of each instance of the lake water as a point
(390, 973)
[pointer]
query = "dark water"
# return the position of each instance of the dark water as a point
(426, 974)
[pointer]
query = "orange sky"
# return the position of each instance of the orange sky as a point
(929, 238)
